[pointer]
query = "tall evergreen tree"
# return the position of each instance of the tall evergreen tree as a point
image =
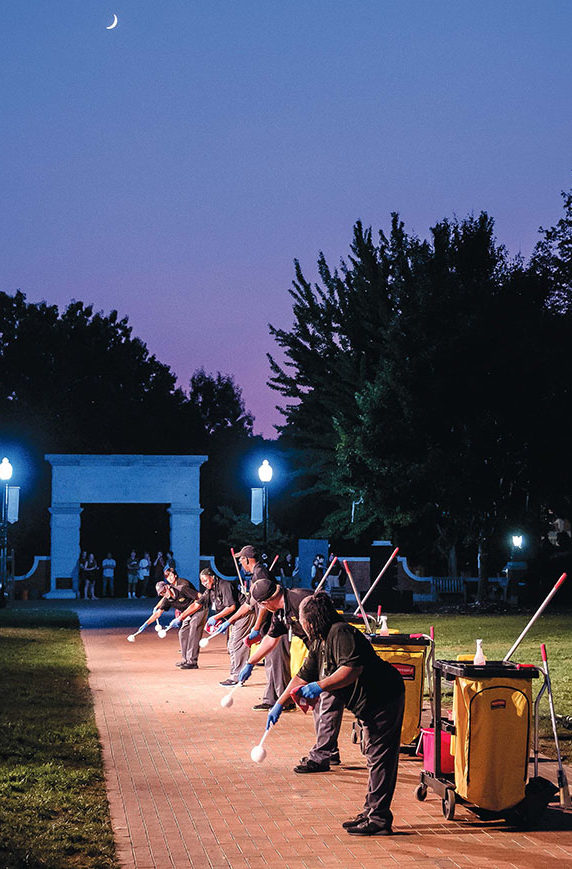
(419, 375)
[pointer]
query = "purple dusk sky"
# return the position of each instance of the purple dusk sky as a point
(172, 168)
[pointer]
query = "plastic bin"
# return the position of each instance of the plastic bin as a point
(428, 751)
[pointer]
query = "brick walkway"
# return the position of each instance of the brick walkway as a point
(184, 792)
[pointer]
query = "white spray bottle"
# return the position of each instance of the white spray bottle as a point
(479, 658)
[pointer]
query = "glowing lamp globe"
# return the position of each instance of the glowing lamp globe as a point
(265, 471)
(5, 470)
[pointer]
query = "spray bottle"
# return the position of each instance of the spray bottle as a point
(383, 629)
(479, 658)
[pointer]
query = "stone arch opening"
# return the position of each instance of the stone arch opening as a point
(121, 479)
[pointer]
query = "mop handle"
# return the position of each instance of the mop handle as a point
(383, 569)
(551, 704)
(271, 568)
(360, 605)
(326, 574)
(538, 613)
(238, 573)
(232, 690)
(264, 735)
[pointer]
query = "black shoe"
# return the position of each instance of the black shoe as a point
(186, 666)
(334, 761)
(311, 766)
(370, 828)
(347, 825)
(263, 706)
(180, 664)
(228, 683)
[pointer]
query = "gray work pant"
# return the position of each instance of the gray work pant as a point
(190, 634)
(382, 735)
(277, 671)
(237, 650)
(328, 713)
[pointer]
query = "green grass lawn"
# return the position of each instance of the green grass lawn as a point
(456, 634)
(53, 805)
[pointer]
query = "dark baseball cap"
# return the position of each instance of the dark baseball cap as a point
(263, 589)
(246, 552)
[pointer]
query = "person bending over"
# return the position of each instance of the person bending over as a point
(343, 662)
(284, 604)
(180, 594)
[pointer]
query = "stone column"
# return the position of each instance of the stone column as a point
(185, 540)
(65, 525)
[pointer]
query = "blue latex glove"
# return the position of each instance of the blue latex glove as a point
(211, 621)
(311, 691)
(245, 673)
(274, 715)
(142, 628)
(223, 627)
(175, 623)
(254, 634)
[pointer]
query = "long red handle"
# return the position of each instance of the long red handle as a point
(538, 612)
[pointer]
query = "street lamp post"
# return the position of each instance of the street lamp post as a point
(265, 474)
(5, 476)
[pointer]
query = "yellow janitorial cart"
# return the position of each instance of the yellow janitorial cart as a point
(412, 655)
(491, 735)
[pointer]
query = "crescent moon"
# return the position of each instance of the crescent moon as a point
(112, 26)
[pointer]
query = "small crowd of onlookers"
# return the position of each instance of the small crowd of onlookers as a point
(142, 572)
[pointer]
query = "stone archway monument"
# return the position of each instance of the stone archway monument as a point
(90, 479)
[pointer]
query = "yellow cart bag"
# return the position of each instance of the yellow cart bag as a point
(407, 653)
(492, 718)
(298, 652)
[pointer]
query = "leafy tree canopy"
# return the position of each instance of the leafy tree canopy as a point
(80, 381)
(421, 377)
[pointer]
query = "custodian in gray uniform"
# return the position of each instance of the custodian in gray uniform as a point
(376, 698)
(192, 627)
(329, 710)
(225, 594)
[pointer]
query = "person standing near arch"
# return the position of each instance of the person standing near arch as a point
(108, 566)
(132, 574)
(90, 569)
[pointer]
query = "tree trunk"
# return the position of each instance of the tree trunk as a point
(453, 569)
(483, 568)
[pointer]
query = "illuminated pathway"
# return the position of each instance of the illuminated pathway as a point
(184, 792)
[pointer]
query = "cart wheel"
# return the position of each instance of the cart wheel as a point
(420, 792)
(448, 805)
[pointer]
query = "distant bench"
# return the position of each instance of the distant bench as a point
(453, 586)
